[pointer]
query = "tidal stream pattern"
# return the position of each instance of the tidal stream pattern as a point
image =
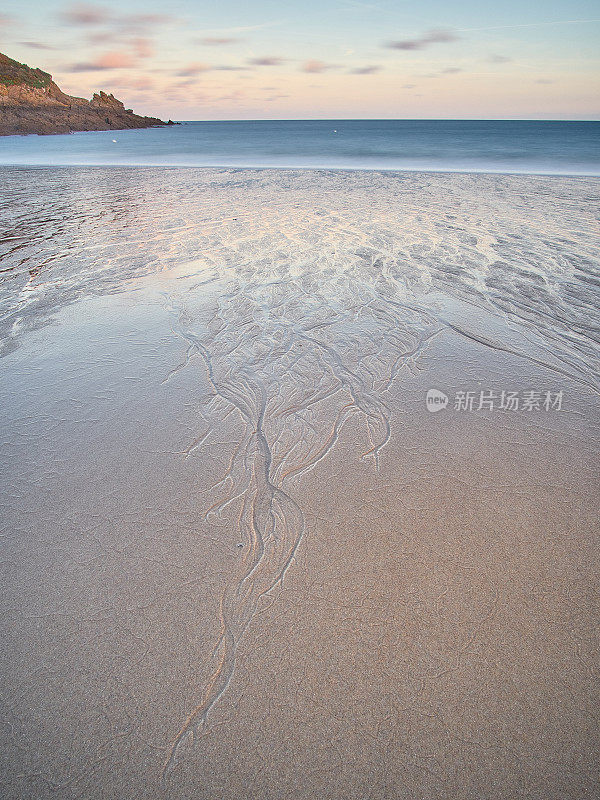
(289, 359)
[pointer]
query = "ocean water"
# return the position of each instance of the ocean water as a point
(505, 146)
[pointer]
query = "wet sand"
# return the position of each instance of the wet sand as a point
(240, 556)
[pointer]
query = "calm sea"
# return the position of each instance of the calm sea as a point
(563, 148)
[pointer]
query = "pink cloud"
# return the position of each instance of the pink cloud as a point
(112, 60)
(143, 47)
(116, 59)
(317, 66)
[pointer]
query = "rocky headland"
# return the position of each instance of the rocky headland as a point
(30, 102)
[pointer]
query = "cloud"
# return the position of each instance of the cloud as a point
(266, 61)
(37, 45)
(213, 41)
(230, 68)
(143, 47)
(192, 69)
(409, 86)
(186, 84)
(82, 66)
(115, 59)
(123, 35)
(6, 20)
(94, 16)
(451, 70)
(317, 66)
(544, 80)
(435, 36)
(112, 60)
(369, 70)
(101, 37)
(497, 59)
(85, 14)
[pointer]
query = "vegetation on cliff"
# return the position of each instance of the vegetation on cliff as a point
(13, 73)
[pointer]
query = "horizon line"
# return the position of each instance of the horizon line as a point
(394, 119)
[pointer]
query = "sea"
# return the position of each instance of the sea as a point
(491, 146)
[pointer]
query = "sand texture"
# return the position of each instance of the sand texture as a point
(240, 556)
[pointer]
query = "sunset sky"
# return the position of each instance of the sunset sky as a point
(320, 58)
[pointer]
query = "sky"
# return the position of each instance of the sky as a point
(320, 59)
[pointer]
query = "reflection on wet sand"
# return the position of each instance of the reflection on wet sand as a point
(525, 248)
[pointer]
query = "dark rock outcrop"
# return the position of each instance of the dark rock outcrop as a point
(30, 102)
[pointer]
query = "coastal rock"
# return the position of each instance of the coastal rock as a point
(30, 102)
(108, 101)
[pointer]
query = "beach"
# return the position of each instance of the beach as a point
(244, 555)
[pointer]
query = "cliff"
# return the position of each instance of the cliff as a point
(30, 102)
